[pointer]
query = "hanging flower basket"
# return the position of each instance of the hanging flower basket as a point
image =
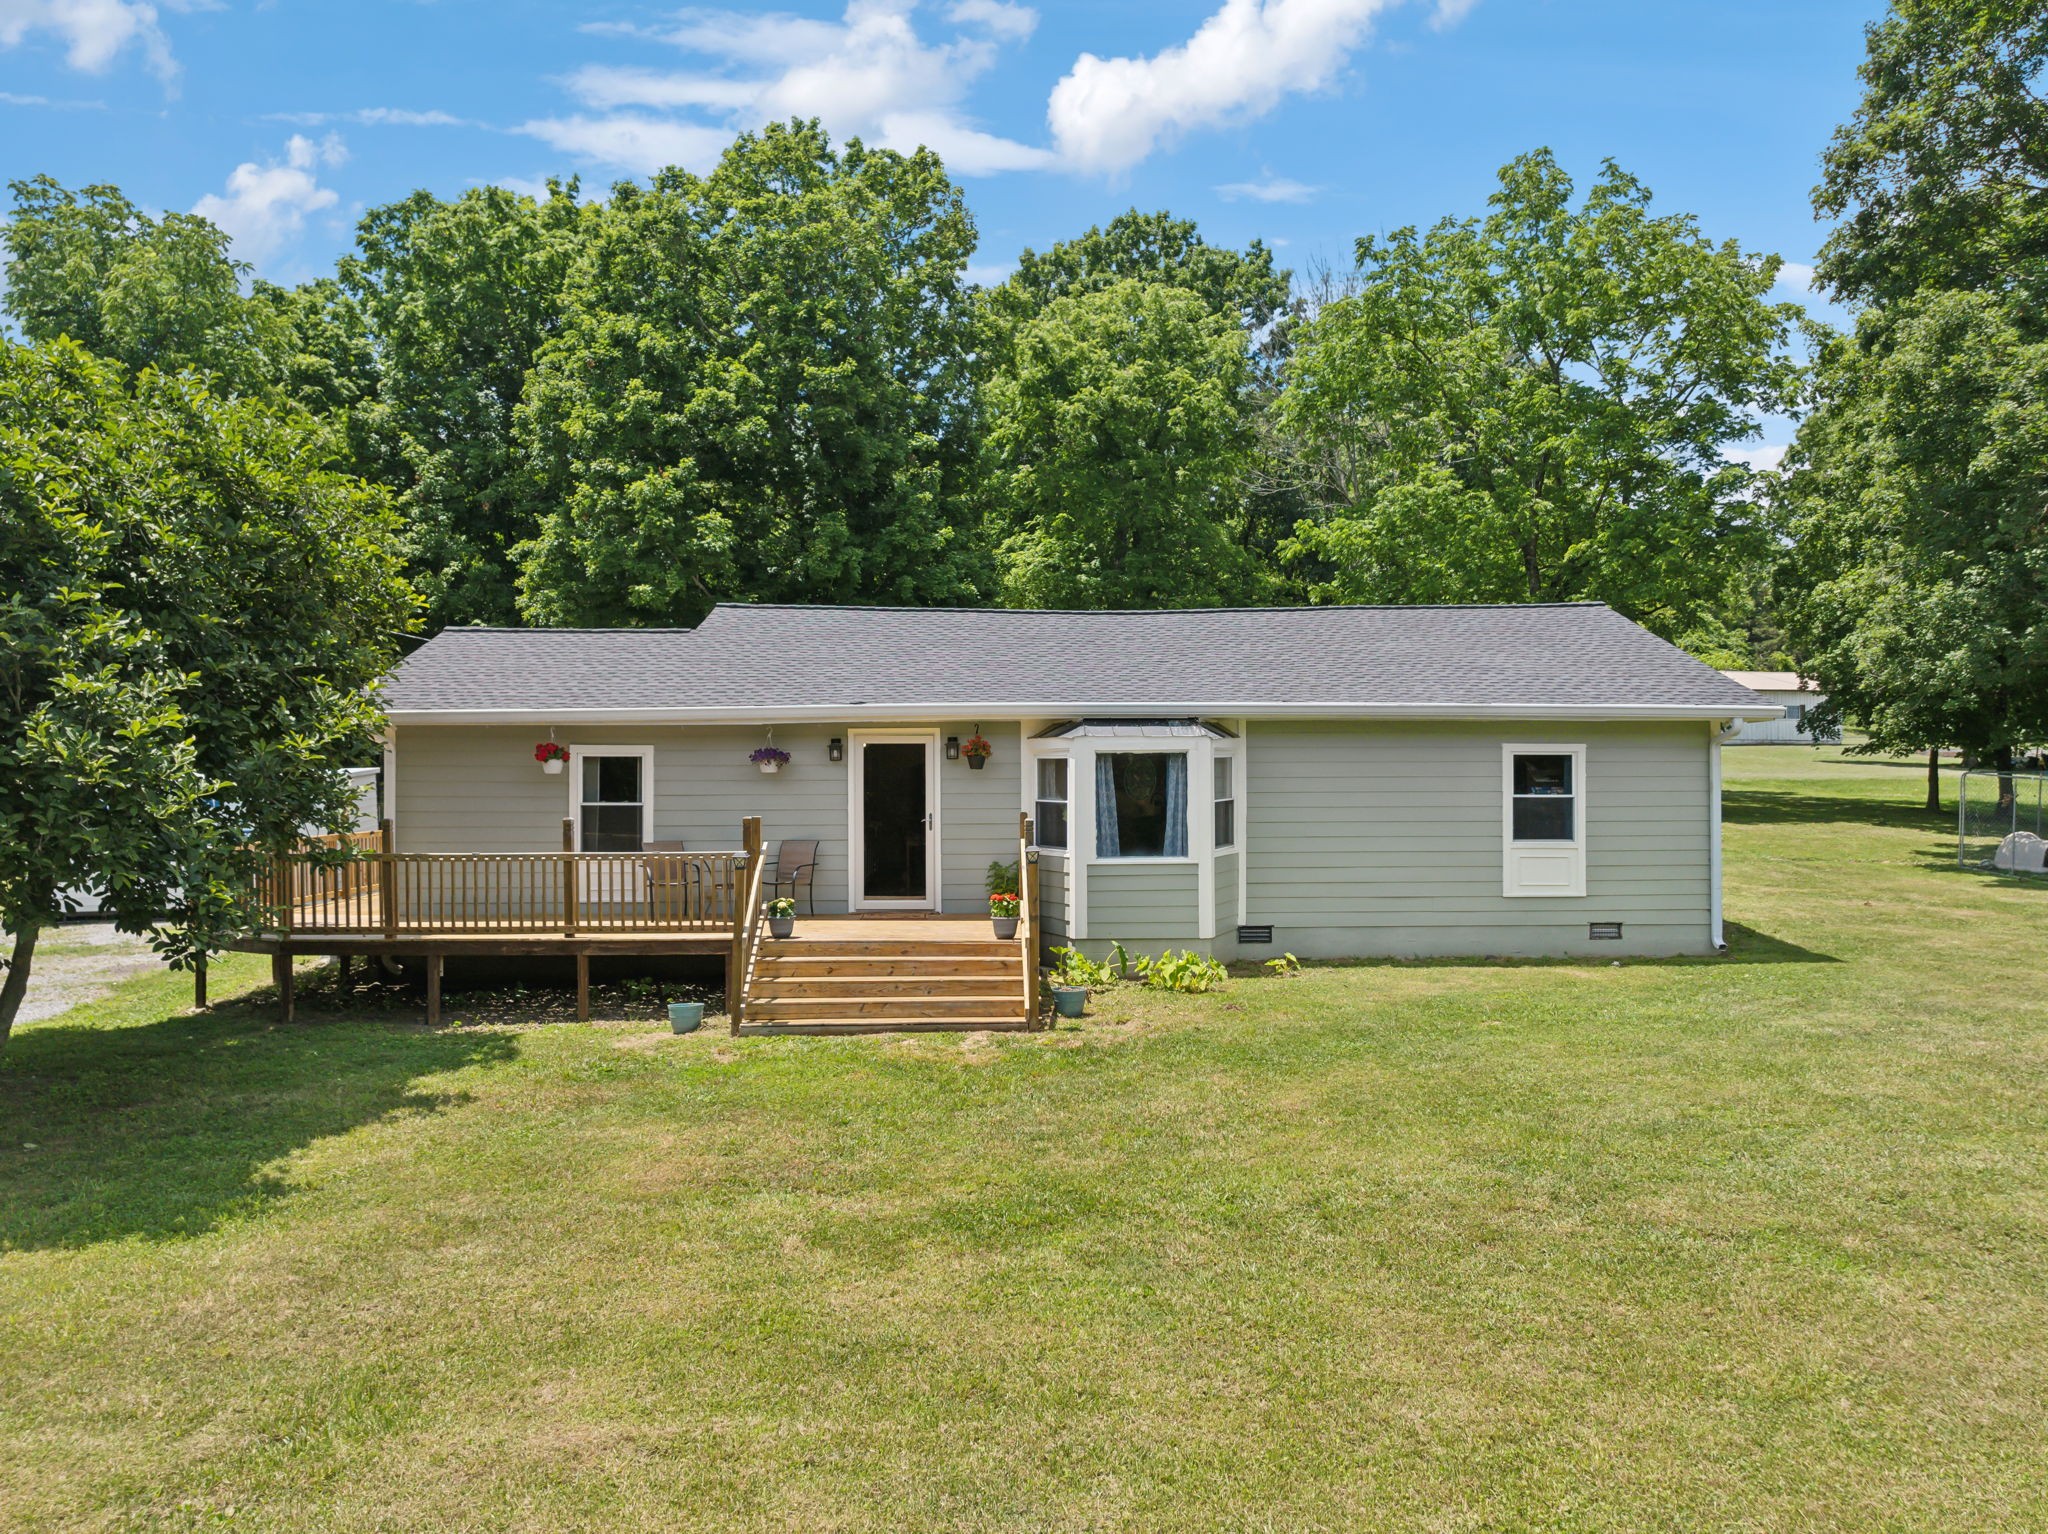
(552, 758)
(977, 751)
(768, 758)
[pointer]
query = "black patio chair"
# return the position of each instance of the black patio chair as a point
(796, 865)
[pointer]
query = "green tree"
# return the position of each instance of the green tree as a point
(143, 292)
(457, 299)
(761, 390)
(1920, 557)
(1537, 406)
(193, 616)
(1118, 439)
(1243, 286)
(1940, 180)
(1919, 569)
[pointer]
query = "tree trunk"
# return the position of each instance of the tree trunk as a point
(1934, 779)
(2002, 759)
(15, 985)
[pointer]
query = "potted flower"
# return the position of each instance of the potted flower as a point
(1002, 914)
(552, 758)
(977, 751)
(781, 917)
(768, 758)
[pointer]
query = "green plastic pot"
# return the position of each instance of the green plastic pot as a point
(686, 1016)
(1069, 1000)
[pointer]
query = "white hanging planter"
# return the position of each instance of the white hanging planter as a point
(553, 769)
(771, 766)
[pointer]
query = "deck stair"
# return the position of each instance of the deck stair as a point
(835, 978)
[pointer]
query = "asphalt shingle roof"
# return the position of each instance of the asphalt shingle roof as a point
(763, 657)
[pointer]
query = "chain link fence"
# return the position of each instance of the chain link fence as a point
(2002, 821)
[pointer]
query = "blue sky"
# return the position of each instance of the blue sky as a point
(1305, 122)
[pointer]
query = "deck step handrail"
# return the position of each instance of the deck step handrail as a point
(1027, 916)
(396, 894)
(746, 927)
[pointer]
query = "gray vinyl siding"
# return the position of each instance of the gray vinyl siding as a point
(1142, 903)
(1052, 895)
(1385, 838)
(1226, 892)
(465, 788)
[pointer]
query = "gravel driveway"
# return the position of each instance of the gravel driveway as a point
(79, 962)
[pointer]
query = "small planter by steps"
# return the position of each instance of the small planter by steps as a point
(1002, 915)
(782, 917)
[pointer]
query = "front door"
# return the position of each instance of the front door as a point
(894, 813)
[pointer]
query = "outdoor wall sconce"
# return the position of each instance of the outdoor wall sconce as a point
(835, 750)
(952, 748)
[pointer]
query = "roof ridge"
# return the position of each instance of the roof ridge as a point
(1142, 612)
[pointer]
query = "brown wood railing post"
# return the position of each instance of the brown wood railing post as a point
(1028, 885)
(387, 880)
(286, 894)
(746, 900)
(568, 876)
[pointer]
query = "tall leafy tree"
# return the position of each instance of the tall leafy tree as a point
(457, 298)
(761, 390)
(1919, 570)
(1243, 286)
(142, 291)
(1538, 406)
(194, 612)
(1118, 442)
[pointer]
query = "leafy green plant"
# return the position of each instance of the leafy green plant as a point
(1070, 966)
(1002, 879)
(1186, 971)
(1286, 964)
(782, 908)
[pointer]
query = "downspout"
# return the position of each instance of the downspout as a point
(1714, 931)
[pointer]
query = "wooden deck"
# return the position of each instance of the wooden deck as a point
(836, 974)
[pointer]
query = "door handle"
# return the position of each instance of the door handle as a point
(928, 821)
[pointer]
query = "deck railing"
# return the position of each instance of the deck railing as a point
(746, 931)
(377, 893)
(1027, 915)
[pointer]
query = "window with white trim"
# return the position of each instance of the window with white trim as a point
(1226, 802)
(1543, 840)
(1049, 812)
(612, 803)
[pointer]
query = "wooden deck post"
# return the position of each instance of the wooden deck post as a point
(568, 876)
(199, 983)
(1027, 887)
(433, 990)
(387, 881)
(737, 955)
(281, 976)
(582, 987)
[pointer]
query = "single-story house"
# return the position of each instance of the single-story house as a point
(1326, 781)
(1795, 696)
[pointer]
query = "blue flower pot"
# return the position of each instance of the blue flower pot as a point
(686, 1016)
(1068, 1000)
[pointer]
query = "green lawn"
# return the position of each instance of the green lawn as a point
(1752, 1243)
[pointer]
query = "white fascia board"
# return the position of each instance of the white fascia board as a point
(896, 713)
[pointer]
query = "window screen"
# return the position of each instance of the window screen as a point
(614, 803)
(1226, 802)
(1545, 799)
(1049, 818)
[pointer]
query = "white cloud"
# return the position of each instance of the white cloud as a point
(1108, 114)
(266, 205)
(642, 145)
(372, 117)
(868, 74)
(1272, 189)
(1450, 12)
(987, 274)
(1012, 23)
(11, 99)
(1797, 276)
(1764, 459)
(94, 32)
